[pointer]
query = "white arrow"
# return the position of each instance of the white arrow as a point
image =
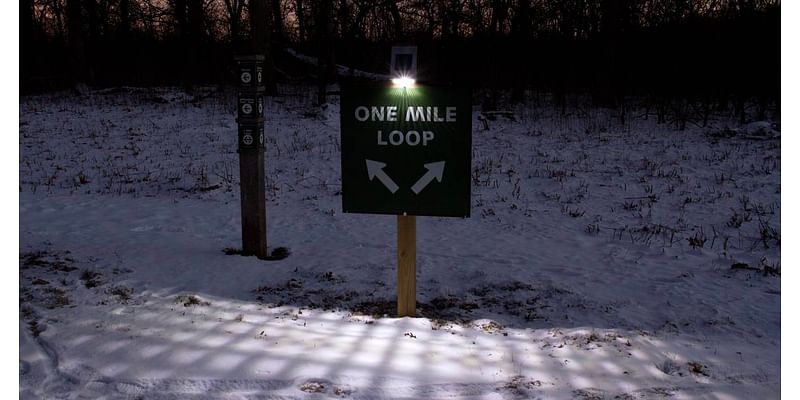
(375, 168)
(435, 170)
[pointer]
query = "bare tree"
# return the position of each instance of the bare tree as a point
(124, 24)
(499, 16)
(234, 10)
(397, 22)
(302, 27)
(344, 20)
(195, 22)
(181, 22)
(520, 31)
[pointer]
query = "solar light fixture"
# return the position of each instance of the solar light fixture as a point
(403, 66)
(403, 82)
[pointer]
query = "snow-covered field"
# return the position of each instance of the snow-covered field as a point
(601, 260)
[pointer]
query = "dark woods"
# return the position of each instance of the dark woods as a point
(720, 52)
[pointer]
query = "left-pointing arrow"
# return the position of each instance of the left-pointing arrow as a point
(375, 169)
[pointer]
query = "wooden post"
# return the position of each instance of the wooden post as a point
(406, 265)
(250, 117)
(254, 208)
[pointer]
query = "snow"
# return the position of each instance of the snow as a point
(596, 264)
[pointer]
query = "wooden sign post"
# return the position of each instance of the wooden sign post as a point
(250, 111)
(406, 265)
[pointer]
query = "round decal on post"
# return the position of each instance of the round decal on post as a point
(246, 77)
(247, 108)
(261, 139)
(247, 140)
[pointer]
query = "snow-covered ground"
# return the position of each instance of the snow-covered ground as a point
(601, 260)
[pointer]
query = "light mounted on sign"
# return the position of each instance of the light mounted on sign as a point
(403, 82)
(403, 66)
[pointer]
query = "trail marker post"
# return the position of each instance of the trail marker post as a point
(250, 117)
(406, 151)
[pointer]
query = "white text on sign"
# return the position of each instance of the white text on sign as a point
(412, 114)
(411, 138)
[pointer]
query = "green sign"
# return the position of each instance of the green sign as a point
(406, 150)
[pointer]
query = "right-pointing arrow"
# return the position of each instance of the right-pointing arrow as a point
(435, 170)
(375, 169)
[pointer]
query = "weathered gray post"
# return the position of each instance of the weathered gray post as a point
(250, 117)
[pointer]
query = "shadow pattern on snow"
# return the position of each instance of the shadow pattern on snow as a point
(145, 345)
(513, 303)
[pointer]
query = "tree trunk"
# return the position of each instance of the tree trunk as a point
(357, 28)
(277, 21)
(92, 41)
(397, 23)
(301, 21)
(195, 35)
(27, 54)
(476, 19)
(450, 19)
(604, 94)
(345, 32)
(740, 109)
(75, 42)
(196, 21)
(124, 27)
(499, 14)
(260, 41)
(520, 30)
(180, 19)
(324, 30)
(234, 10)
(344, 21)
(93, 27)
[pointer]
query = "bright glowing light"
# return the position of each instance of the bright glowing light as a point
(403, 82)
